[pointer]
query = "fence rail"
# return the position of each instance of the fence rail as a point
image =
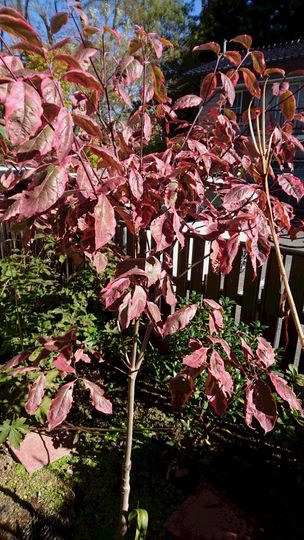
(256, 299)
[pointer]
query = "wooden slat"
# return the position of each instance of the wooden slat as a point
(142, 243)
(182, 265)
(213, 284)
(249, 305)
(130, 244)
(231, 282)
(296, 282)
(198, 261)
(271, 298)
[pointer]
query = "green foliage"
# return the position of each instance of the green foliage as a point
(13, 431)
(40, 297)
(140, 516)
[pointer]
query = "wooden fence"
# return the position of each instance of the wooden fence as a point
(256, 299)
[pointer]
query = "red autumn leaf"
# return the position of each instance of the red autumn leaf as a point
(61, 405)
(187, 101)
(288, 104)
(258, 61)
(112, 31)
(97, 397)
(181, 389)
(233, 56)
(217, 370)
(216, 397)
(179, 319)
(29, 47)
(105, 223)
(114, 290)
(251, 82)
(136, 183)
(63, 134)
(211, 46)
(224, 252)
(81, 355)
(58, 21)
(138, 302)
(292, 185)
(87, 124)
(41, 144)
(100, 262)
(15, 361)
(62, 365)
(228, 88)
(208, 86)
(238, 196)
(162, 232)
(108, 158)
(265, 352)
(197, 358)
(280, 88)
(260, 405)
(274, 71)
(43, 196)
(153, 313)
(17, 26)
(36, 394)
(286, 393)
(78, 76)
(23, 111)
(213, 304)
(67, 59)
(244, 40)
(50, 91)
(124, 318)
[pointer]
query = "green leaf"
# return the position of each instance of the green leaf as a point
(13, 431)
(141, 517)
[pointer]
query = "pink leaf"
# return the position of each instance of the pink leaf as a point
(258, 61)
(233, 56)
(265, 352)
(62, 365)
(260, 405)
(36, 394)
(100, 262)
(244, 40)
(124, 312)
(58, 21)
(15, 361)
(228, 88)
(83, 78)
(251, 82)
(153, 313)
(211, 46)
(138, 302)
(179, 319)
(63, 134)
(108, 158)
(114, 290)
(238, 196)
(87, 124)
(136, 183)
(197, 358)
(17, 26)
(162, 232)
(43, 196)
(105, 223)
(216, 397)
(181, 388)
(50, 91)
(23, 112)
(97, 397)
(81, 355)
(187, 101)
(208, 86)
(41, 144)
(217, 370)
(292, 185)
(286, 393)
(61, 405)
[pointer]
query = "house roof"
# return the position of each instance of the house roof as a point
(278, 52)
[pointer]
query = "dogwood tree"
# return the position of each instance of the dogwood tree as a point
(78, 172)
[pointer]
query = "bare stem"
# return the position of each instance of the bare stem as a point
(127, 463)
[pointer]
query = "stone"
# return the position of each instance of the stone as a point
(209, 516)
(39, 449)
